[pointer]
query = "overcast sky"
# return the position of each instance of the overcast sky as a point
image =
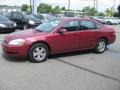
(75, 4)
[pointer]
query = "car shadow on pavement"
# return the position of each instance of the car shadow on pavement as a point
(13, 59)
(51, 57)
(70, 54)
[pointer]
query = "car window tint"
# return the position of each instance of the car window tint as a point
(98, 26)
(85, 25)
(71, 26)
(17, 16)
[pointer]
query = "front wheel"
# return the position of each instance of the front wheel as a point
(101, 46)
(25, 27)
(38, 53)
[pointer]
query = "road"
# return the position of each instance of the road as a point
(72, 71)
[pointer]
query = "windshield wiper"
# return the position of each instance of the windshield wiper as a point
(38, 30)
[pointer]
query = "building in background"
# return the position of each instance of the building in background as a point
(5, 8)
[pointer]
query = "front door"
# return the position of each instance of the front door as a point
(69, 40)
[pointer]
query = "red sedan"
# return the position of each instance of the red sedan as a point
(59, 36)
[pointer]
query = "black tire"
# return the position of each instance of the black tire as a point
(109, 23)
(33, 50)
(97, 48)
(25, 26)
(1, 31)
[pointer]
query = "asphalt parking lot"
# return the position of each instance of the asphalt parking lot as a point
(72, 71)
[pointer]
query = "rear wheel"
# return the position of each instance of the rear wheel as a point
(101, 46)
(38, 53)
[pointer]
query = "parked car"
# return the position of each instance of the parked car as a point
(118, 20)
(45, 17)
(59, 36)
(23, 20)
(110, 20)
(6, 25)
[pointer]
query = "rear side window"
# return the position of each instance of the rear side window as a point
(86, 25)
(98, 26)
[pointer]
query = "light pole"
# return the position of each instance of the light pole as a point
(113, 5)
(30, 7)
(68, 5)
(94, 4)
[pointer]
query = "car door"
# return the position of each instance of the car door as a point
(88, 34)
(69, 40)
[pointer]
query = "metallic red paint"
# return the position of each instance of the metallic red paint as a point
(58, 43)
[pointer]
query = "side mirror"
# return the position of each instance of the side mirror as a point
(61, 31)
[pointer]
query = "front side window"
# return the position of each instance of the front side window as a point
(71, 26)
(85, 25)
(48, 26)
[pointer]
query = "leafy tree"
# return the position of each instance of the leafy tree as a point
(25, 8)
(118, 8)
(63, 8)
(56, 10)
(101, 14)
(44, 8)
(116, 14)
(109, 12)
(89, 11)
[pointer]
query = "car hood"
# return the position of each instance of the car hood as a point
(6, 22)
(29, 33)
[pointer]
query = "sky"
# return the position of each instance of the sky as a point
(75, 4)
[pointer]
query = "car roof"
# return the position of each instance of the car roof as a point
(74, 18)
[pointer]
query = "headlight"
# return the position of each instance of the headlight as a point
(2, 25)
(31, 22)
(17, 42)
(15, 25)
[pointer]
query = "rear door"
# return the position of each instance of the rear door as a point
(88, 34)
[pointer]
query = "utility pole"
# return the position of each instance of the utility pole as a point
(97, 5)
(94, 4)
(113, 5)
(33, 6)
(30, 6)
(68, 5)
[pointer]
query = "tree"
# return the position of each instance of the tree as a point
(25, 8)
(56, 10)
(63, 8)
(118, 8)
(44, 8)
(91, 11)
(101, 14)
(109, 12)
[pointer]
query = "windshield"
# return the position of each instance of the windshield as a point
(3, 18)
(49, 17)
(48, 26)
(30, 16)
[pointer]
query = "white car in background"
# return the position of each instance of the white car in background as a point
(110, 20)
(47, 17)
(118, 19)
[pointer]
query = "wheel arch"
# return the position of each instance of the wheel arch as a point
(49, 48)
(105, 38)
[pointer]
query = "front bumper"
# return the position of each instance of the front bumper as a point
(7, 29)
(15, 51)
